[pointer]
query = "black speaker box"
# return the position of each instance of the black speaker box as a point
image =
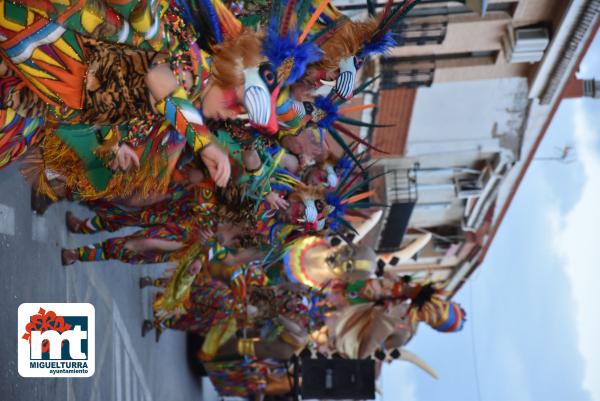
(338, 379)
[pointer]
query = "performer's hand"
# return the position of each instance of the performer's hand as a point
(195, 267)
(276, 201)
(206, 234)
(125, 157)
(293, 334)
(217, 163)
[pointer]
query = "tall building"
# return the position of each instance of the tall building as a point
(469, 91)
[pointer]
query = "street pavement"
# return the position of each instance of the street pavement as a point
(128, 367)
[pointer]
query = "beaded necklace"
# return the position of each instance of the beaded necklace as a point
(185, 54)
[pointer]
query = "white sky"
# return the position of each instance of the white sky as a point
(532, 308)
(575, 236)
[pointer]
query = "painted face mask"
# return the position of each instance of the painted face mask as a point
(314, 261)
(344, 84)
(309, 213)
(315, 215)
(260, 97)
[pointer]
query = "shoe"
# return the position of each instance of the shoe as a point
(146, 281)
(147, 327)
(73, 223)
(68, 256)
(39, 202)
(157, 332)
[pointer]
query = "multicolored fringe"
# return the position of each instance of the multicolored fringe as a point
(193, 204)
(211, 302)
(157, 163)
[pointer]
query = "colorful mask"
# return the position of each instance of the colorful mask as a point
(260, 97)
(344, 84)
(313, 261)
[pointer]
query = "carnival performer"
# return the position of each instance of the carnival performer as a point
(79, 78)
(175, 80)
(388, 309)
(276, 316)
(346, 43)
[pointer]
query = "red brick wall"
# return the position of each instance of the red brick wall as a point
(394, 107)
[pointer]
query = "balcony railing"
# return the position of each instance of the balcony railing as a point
(401, 196)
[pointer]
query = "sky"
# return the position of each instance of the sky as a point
(532, 306)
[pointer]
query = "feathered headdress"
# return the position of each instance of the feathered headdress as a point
(285, 46)
(375, 36)
(383, 39)
(345, 203)
(209, 18)
(330, 117)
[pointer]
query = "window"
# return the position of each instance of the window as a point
(471, 186)
(416, 71)
(420, 34)
(429, 8)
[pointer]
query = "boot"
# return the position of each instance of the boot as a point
(74, 224)
(147, 327)
(146, 281)
(68, 256)
(39, 202)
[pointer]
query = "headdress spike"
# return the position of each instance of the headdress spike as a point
(358, 198)
(287, 17)
(358, 107)
(314, 17)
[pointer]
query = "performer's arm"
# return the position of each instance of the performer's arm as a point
(174, 104)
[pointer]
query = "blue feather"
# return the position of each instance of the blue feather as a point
(339, 209)
(344, 164)
(330, 109)
(278, 48)
(378, 46)
(186, 13)
(214, 20)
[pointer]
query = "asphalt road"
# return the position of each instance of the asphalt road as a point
(128, 367)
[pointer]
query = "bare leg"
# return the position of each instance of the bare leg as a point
(141, 245)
